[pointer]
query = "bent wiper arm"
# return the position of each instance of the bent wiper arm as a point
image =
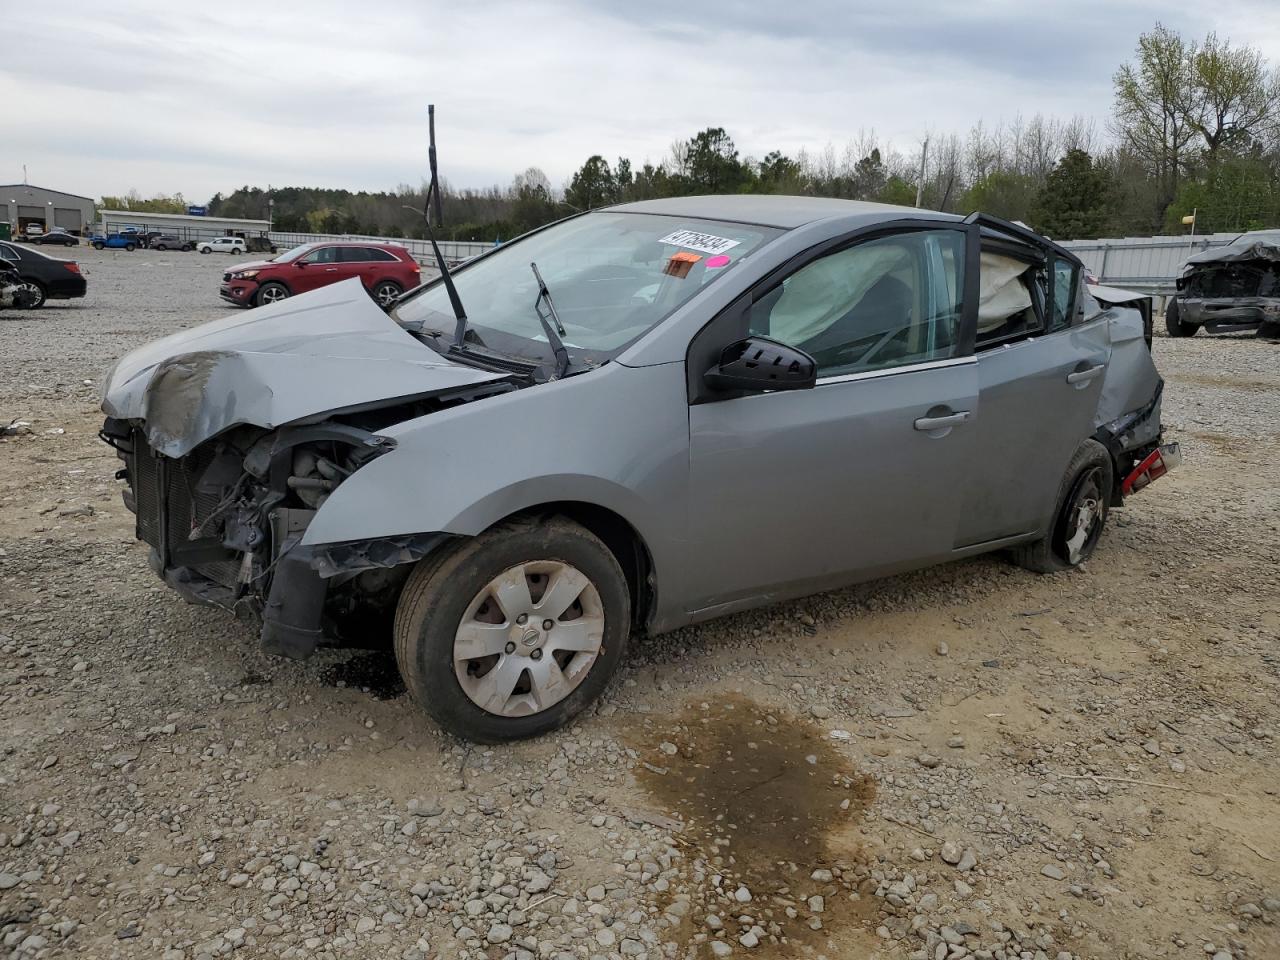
(555, 332)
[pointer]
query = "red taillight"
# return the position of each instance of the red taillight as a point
(72, 266)
(1155, 465)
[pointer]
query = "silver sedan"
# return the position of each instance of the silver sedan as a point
(635, 419)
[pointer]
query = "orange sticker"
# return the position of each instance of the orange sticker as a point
(680, 264)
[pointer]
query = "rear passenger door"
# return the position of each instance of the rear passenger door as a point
(354, 262)
(1041, 365)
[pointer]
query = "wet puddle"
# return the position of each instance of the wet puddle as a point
(767, 804)
(374, 673)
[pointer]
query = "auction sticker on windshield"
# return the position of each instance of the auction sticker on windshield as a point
(706, 242)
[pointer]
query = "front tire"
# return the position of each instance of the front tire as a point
(206, 250)
(1173, 322)
(271, 293)
(512, 633)
(131, 247)
(1080, 515)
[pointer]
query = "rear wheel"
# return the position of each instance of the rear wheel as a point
(386, 292)
(272, 293)
(98, 246)
(1173, 322)
(1081, 513)
(131, 247)
(35, 290)
(510, 634)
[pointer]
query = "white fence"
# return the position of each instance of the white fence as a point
(1146, 264)
(454, 251)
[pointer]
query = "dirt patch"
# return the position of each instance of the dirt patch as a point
(766, 803)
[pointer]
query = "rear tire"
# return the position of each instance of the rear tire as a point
(386, 292)
(131, 247)
(38, 289)
(1079, 516)
(99, 246)
(1173, 322)
(449, 616)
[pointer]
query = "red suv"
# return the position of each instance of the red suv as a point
(386, 270)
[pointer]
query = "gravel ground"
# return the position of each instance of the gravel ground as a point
(968, 761)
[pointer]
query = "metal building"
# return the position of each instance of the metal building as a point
(25, 204)
(181, 225)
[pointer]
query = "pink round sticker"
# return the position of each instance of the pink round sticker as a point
(721, 260)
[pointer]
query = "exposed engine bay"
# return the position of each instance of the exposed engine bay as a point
(224, 522)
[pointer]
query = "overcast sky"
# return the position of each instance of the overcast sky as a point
(197, 98)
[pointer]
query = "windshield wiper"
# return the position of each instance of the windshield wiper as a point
(554, 333)
(433, 191)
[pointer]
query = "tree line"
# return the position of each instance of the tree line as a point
(1195, 126)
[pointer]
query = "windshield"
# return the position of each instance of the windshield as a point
(613, 276)
(295, 253)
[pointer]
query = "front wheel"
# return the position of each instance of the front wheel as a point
(131, 247)
(386, 292)
(1173, 322)
(512, 633)
(272, 293)
(1084, 499)
(206, 250)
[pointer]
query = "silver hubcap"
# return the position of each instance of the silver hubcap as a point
(386, 293)
(529, 638)
(32, 289)
(272, 294)
(1086, 516)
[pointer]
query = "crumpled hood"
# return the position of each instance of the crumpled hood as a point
(323, 352)
(1242, 249)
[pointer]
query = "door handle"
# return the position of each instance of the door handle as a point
(331, 270)
(941, 423)
(1084, 376)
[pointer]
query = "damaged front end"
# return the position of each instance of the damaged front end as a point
(233, 437)
(1233, 288)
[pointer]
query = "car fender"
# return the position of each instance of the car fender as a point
(616, 437)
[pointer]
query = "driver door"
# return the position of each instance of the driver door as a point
(796, 491)
(316, 269)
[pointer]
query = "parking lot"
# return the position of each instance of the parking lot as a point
(967, 761)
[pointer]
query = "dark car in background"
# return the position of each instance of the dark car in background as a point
(58, 236)
(386, 270)
(46, 277)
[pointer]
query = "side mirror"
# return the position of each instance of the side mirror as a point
(758, 363)
(299, 263)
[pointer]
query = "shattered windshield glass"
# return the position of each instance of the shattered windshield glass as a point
(614, 276)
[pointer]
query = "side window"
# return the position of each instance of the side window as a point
(1011, 295)
(9, 253)
(322, 255)
(1066, 280)
(373, 253)
(354, 254)
(886, 302)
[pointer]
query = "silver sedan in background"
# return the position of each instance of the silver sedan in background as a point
(635, 419)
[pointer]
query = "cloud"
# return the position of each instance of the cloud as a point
(198, 100)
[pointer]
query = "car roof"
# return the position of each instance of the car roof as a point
(773, 211)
